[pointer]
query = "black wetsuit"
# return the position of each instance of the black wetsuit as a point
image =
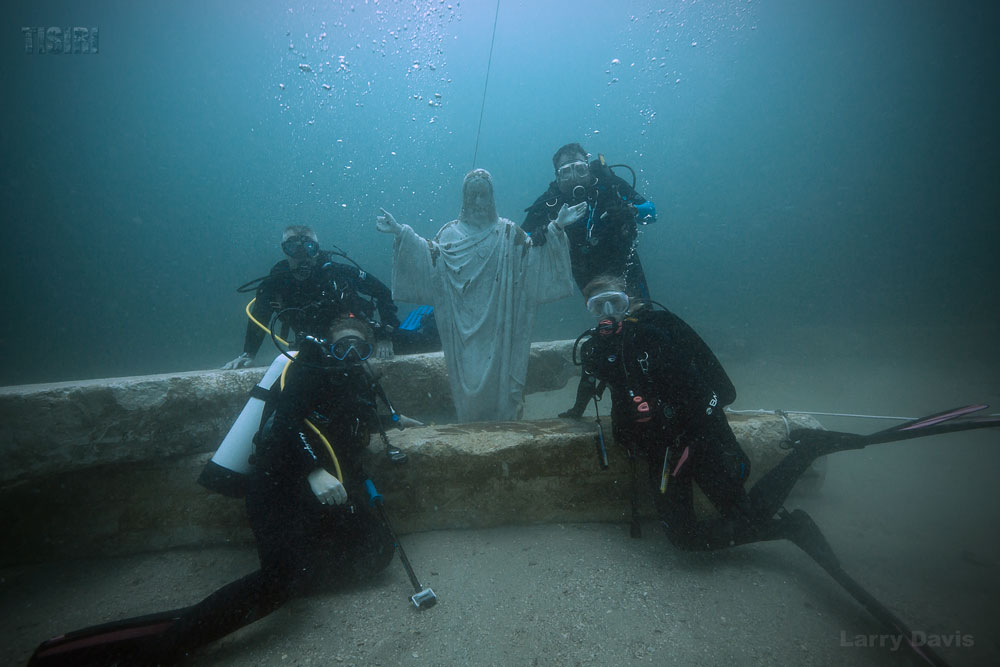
(332, 290)
(603, 241)
(300, 541)
(655, 359)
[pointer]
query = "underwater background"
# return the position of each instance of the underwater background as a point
(826, 176)
(823, 172)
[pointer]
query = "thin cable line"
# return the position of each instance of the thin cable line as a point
(824, 414)
(482, 107)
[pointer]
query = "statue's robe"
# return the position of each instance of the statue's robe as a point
(485, 286)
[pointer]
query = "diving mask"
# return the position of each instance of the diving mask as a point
(300, 246)
(608, 304)
(576, 171)
(355, 347)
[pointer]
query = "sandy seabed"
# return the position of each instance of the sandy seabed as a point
(916, 523)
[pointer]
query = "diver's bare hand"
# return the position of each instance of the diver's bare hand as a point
(327, 488)
(383, 349)
(241, 361)
(409, 422)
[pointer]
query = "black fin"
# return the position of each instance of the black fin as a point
(942, 422)
(937, 418)
(105, 644)
(806, 535)
(826, 442)
(948, 421)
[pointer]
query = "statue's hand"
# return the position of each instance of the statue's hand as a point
(570, 214)
(387, 224)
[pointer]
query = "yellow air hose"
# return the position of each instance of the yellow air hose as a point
(329, 448)
(254, 320)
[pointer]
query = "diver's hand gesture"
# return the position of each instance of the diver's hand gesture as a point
(327, 488)
(569, 214)
(387, 224)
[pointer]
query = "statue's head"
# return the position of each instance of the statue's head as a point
(478, 206)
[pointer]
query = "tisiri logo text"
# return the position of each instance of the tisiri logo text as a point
(60, 40)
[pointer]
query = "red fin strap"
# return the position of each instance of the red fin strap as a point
(684, 457)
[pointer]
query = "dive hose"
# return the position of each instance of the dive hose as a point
(254, 320)
(329, 448)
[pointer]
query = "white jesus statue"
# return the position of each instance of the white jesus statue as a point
(485, 278)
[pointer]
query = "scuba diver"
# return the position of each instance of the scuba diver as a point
(306, 503)
(668, 391)
(308, 291)
(603, 240)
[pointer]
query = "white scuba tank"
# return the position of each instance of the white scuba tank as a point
(227, 472)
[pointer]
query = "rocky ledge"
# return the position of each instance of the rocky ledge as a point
(108, 467)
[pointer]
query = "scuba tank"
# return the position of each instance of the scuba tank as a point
(227, 472)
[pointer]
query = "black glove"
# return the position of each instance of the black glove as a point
(585, 391)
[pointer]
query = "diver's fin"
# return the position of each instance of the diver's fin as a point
(117, 642)
(825, 442)
(939, 417)
(806, 535)
(941, 422)
(948, 421)
(415, 319)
